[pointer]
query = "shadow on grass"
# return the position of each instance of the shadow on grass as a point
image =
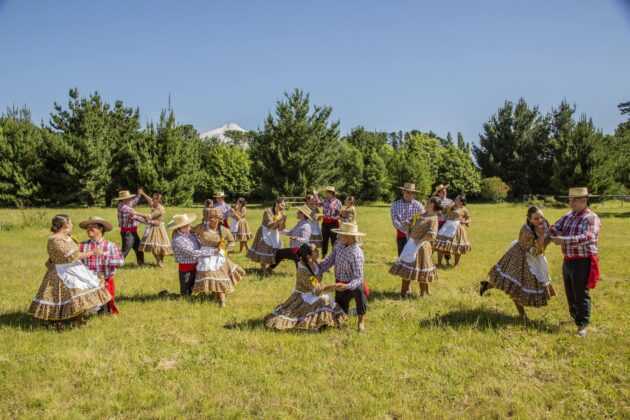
(388, 295)
(484, 319)
(605, 215)
(161, 296)
(20, 320)
(247, 325)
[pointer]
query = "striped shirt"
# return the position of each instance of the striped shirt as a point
(300, 234)
(108, 262)
(348, 261)
(186, 248)
(126, 218)
(580, 232)
(402, 211)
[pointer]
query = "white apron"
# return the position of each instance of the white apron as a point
(271, 237)
(410, 251)
(449, 228)
(77, 276)
(537, 266)
(212, 263)
(234, 226)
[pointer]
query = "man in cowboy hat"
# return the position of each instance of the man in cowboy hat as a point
(347, 258)
(127, 221)
(186, 250)
(223, 206)
(107, 257)
(300, 234)
(331, 211)
(577, 232)
(402, 211)
(441, 191)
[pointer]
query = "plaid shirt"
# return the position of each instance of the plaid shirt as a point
(331, 207)
(348, 261)
(126, 218)
(225, 209)
(402, 211)
(445, 203)
(186, 248)
(580, 231)
(107, 263)
(301, 232)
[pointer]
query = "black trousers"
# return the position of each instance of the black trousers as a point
(343, 299)
(326, 234)
(285, 254)
(131, 240)
(575, 275)
(186, 282)
(401, 242)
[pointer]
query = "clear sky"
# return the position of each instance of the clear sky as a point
(386, 65)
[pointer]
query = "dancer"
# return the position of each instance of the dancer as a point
(442, 191)
(128, 222)
(415, 262)
(316, 232)
(308, 307)
(577, 232)
(68, 289)
(452, 238)
(224, 207)
(402, 211)
(347, 258)
(216, 275)
(522, 272)
(300, 234)
(330, 210)
(267, 240)
(240, 227)
(348, 213)
(155, 238)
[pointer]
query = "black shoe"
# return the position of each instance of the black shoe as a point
(483, 287)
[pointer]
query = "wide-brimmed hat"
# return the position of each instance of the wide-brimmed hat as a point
(207, 212)
(181, 219)
(219, 194)
(409, 187)
(98, 221)
(439, 188)
(578, 192)
(124, 195)
(348, 229)
(330, 188)
(305, 210)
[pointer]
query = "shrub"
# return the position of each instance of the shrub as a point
(494, 189)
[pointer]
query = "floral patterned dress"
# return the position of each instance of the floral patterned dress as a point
(515, 271)
(217, 273)
(415, 263)
(316, 231)
(240, 228)
(452, 237)
(155, 238)
(307, 307)
(261, 251)
(66, 291)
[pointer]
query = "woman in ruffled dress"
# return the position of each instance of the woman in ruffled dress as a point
(239, 226)
(267, 240)
(308, 307)
(415, 263)
(452, 237)
(316, 216)
(348, 211)
(217, 274)
(155, 238)
(69, 288)
(522, 272)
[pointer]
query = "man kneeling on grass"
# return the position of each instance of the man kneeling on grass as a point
(347, 257)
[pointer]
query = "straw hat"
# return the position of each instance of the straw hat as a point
(305, 210)
(124, 195)
(409, 187)
(439, 188)
(219, 194)
(330, 188)
(348, 229)
(213, 211)
(181, 219)
(96, 220)
(578, 192)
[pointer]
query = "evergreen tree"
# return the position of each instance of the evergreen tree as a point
(20, 161)
(457, 170)
(417, 161)
(461, 144)
(296, 149)
(348, 176)
(125, 138)
(224, 167)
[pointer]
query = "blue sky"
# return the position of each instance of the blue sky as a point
(429, 65)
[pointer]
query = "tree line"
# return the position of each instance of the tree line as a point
(90, 149)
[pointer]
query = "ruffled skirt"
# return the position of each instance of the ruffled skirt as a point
(260, 251)
(222, 280)
(422, 270)
(155, 240)
(458, 244)
(295, 313)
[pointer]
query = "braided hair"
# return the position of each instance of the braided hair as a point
(305, 251)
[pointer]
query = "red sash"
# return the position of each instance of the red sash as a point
(593, 273)
(400, 234)
(225, 223)
(109, 285)
(187, 268)
(366, 289)
(131, 229)
(331, 221)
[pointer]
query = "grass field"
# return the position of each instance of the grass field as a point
(451, 354)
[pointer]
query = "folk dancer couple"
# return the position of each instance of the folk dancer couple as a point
(79, 277)
(333, 213)
(522, 273)
(238, 226)
(201, 252)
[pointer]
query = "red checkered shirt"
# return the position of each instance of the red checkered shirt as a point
(107, 263)
(580, 232)
(126, 218)
(331, 207)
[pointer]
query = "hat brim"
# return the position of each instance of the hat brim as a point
(341, 232)
(191, 219)
(125, 198)
(308, 216)
(106, 225)
(443, 188)
(407, 189)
